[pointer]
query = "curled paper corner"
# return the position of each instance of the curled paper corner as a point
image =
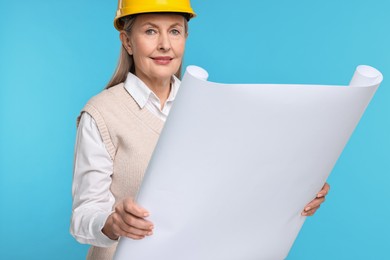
(198, 72)
(366, 76)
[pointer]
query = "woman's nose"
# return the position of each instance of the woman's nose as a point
(164, 42)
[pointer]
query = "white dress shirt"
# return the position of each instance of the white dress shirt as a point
(93, 167)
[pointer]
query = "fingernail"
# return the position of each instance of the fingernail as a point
(146, 214)
(150, 233)
(319, 195)
(307, 208)
(303, 213)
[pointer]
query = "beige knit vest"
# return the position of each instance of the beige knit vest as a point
(130, 135)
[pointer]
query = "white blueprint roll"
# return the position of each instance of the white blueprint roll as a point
(236, 164)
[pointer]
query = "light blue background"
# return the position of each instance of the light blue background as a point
(54, 55)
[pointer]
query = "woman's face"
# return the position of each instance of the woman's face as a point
(157, 43)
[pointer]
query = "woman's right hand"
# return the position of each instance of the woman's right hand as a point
(128, 220)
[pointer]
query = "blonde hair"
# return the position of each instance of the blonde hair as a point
(126, 61)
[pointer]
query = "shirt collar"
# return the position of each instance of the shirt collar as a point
(141, 93)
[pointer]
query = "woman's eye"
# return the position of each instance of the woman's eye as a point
(175, 32)
(150, 32)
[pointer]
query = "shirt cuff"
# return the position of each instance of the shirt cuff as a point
(97, 226)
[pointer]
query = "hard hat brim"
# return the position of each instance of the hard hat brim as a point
(131, 10)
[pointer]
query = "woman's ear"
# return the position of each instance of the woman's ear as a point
(125, 39)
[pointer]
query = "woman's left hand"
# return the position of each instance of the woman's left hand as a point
(313, 205)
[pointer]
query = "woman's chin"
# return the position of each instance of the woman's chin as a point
(165, 73)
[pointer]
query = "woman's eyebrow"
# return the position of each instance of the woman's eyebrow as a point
(156, 26)
(177, 24)
(149, 23)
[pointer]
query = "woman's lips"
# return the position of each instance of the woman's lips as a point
(162, 60)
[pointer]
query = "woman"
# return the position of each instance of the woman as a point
(118, 129)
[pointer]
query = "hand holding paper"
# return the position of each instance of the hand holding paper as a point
(128, 220)
(312, 207)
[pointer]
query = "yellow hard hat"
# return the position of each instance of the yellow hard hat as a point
(129, 7)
